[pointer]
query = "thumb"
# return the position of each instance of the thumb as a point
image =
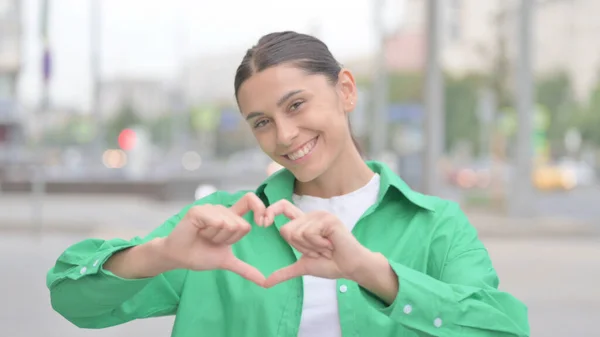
(244, 270)
(294, 270)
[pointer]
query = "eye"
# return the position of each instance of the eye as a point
(260, 123)
(296, 105)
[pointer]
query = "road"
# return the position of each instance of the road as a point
(580, 203)
(556, 279)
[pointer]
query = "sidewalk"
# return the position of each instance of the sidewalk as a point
(118, 216)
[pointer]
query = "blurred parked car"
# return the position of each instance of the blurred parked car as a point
(560, 176)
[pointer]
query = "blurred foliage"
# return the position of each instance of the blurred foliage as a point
(554, 92)
(76, 130)
(461, 99)
(589, 118)
(161, 130)
(461, 103)
(405, 87)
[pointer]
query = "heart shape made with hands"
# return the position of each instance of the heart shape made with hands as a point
(311, 234)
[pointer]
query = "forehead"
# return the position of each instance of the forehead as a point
(263, 89)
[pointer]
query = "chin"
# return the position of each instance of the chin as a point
(307, 174)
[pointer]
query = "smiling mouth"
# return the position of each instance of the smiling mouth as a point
(303, 151)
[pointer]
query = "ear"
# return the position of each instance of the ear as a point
(348, 92)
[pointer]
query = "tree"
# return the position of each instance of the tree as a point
(554, 93)
(461, 101)
(589, 118)
(161, 130)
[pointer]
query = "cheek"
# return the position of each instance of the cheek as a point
(265, 142)
(335, 127)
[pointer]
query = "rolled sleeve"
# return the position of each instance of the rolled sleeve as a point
(463, 298)
(422, 303)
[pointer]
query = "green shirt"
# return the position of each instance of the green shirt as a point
(448, 286)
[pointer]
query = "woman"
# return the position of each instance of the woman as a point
(330, 246)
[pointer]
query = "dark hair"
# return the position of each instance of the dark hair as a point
(301, 50)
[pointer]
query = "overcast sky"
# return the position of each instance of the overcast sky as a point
(149, 38)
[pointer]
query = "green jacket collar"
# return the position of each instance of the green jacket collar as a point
(280, 185)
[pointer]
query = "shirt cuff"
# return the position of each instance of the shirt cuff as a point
(422, 303)
(92, 271)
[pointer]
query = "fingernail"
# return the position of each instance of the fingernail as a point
(261, 221)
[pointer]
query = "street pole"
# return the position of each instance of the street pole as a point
(46, 55)
(38, 181)
(434, 100)
(95, 45)
(379, 130)
(522, 196)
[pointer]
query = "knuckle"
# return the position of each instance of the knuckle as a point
(244, 229)
(308, 233)
(326, 216)
(194, 211)
(297, 236)
(218, 223)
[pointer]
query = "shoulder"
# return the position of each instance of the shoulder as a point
(445, 216)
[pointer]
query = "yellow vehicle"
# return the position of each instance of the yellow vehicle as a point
(552, 177)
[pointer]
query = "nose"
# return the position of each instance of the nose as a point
(287, 131)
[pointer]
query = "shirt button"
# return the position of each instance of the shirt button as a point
(96, 262)
(437, 322)
(343, 288)
(83, 270)
(407, 309)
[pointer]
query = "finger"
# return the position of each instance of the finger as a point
(226, 230)
(212, 228)
(311, 239)
(245, 270)
(284, 207)
(315, 240)
(241, 230)
(250, 202)
(293, 235)
(292, 232)
(306, 251)
(286, 273)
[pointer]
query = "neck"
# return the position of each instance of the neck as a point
(348, 173)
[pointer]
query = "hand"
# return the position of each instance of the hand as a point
(328, 248)
(203, 239)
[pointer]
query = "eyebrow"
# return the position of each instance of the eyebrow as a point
(279, 103)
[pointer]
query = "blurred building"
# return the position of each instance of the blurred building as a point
(568, 38)
(149, 98)
(476, 33)
(10, 66)
(209, 78)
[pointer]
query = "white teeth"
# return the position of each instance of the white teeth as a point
(302, 152)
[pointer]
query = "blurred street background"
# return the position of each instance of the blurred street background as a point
(116, 114)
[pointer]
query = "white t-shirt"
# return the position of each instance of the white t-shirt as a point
(320, 307)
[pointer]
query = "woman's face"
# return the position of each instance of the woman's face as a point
(298, 119)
